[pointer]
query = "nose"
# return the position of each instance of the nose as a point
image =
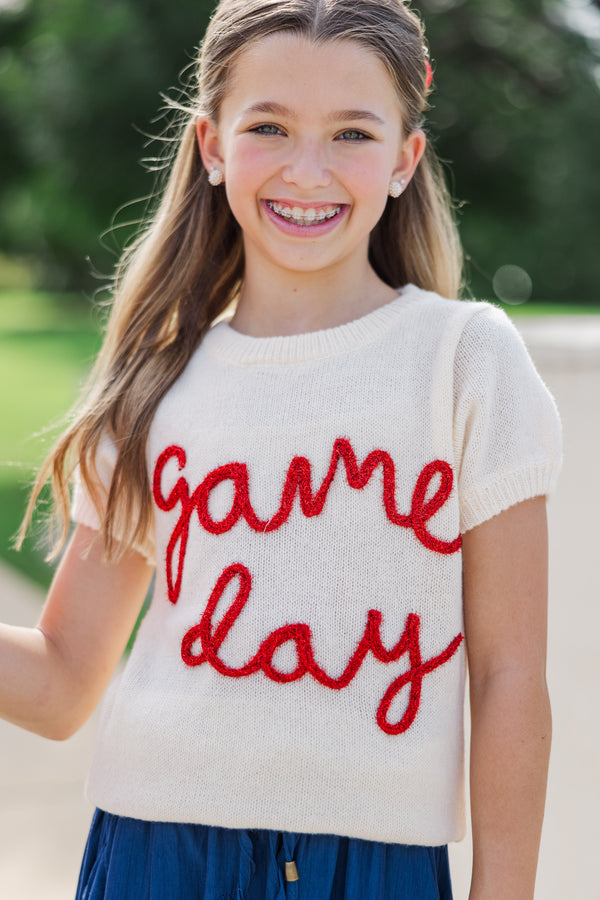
(307, 166)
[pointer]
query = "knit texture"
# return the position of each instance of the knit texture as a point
(301, 667)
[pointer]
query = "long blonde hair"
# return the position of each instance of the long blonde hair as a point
(187, 264)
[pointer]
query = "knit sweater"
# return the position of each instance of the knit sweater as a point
(302, 663)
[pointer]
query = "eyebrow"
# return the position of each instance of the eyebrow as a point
(341, 115)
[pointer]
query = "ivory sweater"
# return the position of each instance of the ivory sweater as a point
(302, 664)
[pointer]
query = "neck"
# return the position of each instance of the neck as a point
(276, 303)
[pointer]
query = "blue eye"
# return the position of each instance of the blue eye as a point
(354, 136)
(267, 129)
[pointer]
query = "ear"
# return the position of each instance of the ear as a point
(207, 136)
(412, 150)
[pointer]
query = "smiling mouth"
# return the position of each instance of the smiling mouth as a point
(298, 216)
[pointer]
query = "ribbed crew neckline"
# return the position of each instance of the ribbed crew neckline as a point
(223, 341)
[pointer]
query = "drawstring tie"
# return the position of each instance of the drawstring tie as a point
(284, 877)
(292, 877)
(291, 871)
(283, 847)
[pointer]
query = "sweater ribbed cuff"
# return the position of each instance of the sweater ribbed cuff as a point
(538, 479)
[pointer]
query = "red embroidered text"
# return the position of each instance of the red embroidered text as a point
(211, 638)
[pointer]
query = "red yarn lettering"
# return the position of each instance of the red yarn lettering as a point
(211, 639)
(298, 481)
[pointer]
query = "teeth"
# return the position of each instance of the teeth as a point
(299, 216)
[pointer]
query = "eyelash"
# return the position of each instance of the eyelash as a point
(361, 136)
(258, 130)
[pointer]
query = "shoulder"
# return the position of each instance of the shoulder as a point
(466, 329)
(452, 311)
(491, 350)
(488, 325)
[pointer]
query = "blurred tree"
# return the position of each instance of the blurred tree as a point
(515, 112)
(78, 82)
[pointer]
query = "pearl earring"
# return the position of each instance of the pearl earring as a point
(396, 188)
(215, 177)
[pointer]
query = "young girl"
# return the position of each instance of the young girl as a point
(341, 483)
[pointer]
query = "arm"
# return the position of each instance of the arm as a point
(505, 563)
(52, 676)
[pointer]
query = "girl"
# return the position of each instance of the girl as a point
(341, 484)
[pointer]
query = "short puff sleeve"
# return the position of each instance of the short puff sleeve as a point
(507, 431)
(83, 509)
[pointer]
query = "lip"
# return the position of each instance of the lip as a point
(304, 230)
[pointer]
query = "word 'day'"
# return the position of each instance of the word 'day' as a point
(211, 638)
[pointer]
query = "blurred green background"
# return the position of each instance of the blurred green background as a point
(514, 114)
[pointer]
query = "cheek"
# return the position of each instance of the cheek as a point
(247, 165)
(246, 171)
(368, 173)
(368, 189)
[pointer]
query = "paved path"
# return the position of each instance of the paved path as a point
(43, 815)
(44, 818)
(567, 352)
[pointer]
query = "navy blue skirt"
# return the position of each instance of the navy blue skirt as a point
(130, 859)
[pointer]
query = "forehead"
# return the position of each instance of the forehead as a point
(308, 76)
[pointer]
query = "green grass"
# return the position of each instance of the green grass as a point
(42, 311)
(47, 343)
(550, 309)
